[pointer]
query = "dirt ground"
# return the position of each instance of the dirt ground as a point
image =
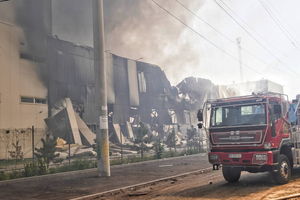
(211, 186)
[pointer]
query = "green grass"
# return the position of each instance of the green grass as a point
(11, 162)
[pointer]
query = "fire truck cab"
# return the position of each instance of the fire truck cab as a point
(251, 133)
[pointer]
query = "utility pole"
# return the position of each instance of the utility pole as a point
(102, 140)
(32, 142)
(239, 40)
(121, 140)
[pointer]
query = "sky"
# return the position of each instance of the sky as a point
(269, 31)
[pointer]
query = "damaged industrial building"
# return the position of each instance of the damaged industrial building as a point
(48, 84)
(137, 92)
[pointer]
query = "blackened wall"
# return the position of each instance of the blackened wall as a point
(71, 74)
(158, 88)
(121, 87)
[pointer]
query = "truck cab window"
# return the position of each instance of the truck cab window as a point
(276, 110)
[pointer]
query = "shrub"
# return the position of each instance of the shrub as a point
(3, 176)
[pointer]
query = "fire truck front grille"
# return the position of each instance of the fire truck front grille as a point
(237, 137)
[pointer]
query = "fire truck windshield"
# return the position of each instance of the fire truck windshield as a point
(238, 115)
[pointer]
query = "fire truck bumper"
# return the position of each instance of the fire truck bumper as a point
(243, 159)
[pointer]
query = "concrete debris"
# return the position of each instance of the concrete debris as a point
(88, 137)
(119, 134)
(130, 131)
(72, 122)
(75, 151)
(67, 124)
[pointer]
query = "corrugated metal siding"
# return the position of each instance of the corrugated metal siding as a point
(111, 98)
(133, 84)
(121, 85)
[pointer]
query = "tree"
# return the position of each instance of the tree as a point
(46, 153)
(192, 138)
(17, 153)
(159, 149)
(140, 139)
(171, 140)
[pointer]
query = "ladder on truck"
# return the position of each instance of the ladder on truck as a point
(295, 137)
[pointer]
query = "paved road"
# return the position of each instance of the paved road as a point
(70, 185)
(211, 186)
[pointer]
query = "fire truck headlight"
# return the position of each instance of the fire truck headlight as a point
(267, 145)
(261, 157)
(213, 157)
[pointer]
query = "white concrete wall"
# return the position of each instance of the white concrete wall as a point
(18, 77)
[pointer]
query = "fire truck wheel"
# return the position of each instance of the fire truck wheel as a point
(231, 174)
(283, 173)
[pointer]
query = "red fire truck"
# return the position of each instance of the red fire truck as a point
(251, 133)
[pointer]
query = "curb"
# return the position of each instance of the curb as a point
(118, 190)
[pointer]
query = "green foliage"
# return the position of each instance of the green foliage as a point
(30, 169)
(159, 149)
(17, 153)
(132, 159)
(3, 176)
(14, 175)
(140, 139)
(192, 151)
(35, 168)
(171, 140)
(46, 153)
(192, 139)
(75, 165)
(39, 168)
(168, 154)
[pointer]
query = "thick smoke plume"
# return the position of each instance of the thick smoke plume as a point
(141, 30)
(136, 29)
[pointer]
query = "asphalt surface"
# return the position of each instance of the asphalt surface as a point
(211, 186)
(76, 184)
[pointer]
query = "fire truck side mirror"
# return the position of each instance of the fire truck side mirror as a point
(200, 115)
(200, 125)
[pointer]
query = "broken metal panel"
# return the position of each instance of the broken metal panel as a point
(121, 86)
(64, 123)
(73, 122)
(119, 135)
(142, 82)
(59, 126)
(133, 83)
(89, 115)
(130, 131)
(88, 136)
(110, 79)
(157, 94)
(68, 125)
(173, 116)
(71, 74)
(195, 91)
(187, 117)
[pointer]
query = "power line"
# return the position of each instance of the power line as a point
(245, 29)
(278, 14)
(284, 31)
(225, 36)
(202, 36)
(219, 32)
(250, 34)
